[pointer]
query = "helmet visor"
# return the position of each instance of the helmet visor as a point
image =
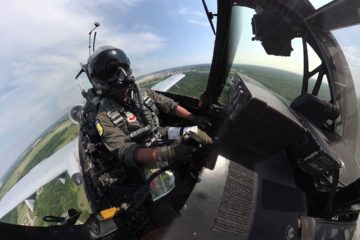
(118, 76)
(109, 70)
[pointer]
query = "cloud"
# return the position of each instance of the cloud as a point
(134, 43)
(29, 27)
(123, 5)
(42, 44)
(194, 17)
(185, 11)
(141, 27)
(202, 23)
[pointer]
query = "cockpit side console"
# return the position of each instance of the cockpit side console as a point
(315, 109)
(259, 120)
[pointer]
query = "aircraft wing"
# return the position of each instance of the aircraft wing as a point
(165, 85)
(41, 174)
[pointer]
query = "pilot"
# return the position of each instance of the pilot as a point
(128, 117)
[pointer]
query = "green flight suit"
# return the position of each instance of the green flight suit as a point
(116, 139)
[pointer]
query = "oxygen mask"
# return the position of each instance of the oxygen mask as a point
(120, 78)
(120, 82)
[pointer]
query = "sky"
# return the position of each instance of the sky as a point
(43, 42)
(251, 52)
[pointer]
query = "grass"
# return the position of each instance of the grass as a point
(50, 143)
(58, 140)
(83, 204)
(11, 217)
(150, 83)
(284, 83)
(55, 199)
(38, 153)
(192, 85)
(21, 210)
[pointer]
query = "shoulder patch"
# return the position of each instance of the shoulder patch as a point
(99, 128)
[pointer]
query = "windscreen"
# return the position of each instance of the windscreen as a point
(347, 39)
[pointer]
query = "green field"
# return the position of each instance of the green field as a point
(11, 217)
(55, 139)
(192, 85)
(285, 84)
(56, 198)
(152, 82)
(58, 140)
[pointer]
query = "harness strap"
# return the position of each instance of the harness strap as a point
(150, 106)
(149, 103)
(116, 117)
(113, 113)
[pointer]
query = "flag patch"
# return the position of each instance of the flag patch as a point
(99, 128)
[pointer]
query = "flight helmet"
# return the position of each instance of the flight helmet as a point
(109, 67)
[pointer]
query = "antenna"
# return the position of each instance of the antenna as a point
(97, 24)
(94, 41)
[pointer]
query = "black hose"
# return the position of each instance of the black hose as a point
(331, 199)
(143, 192)
(146, 114)
(140, 132)
(155, 174)
(141, 100)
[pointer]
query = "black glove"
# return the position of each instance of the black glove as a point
(202, 122)
(174, 153)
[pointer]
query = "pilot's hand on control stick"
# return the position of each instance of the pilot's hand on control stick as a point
(176, 152)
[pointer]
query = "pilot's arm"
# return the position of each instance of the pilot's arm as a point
(133, 154)
(169, 106)
(115, 140)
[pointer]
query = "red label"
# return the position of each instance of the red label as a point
(130, 117)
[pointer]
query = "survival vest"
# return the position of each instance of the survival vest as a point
(148, 122)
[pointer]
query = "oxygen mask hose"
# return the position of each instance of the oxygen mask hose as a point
(145, 114)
